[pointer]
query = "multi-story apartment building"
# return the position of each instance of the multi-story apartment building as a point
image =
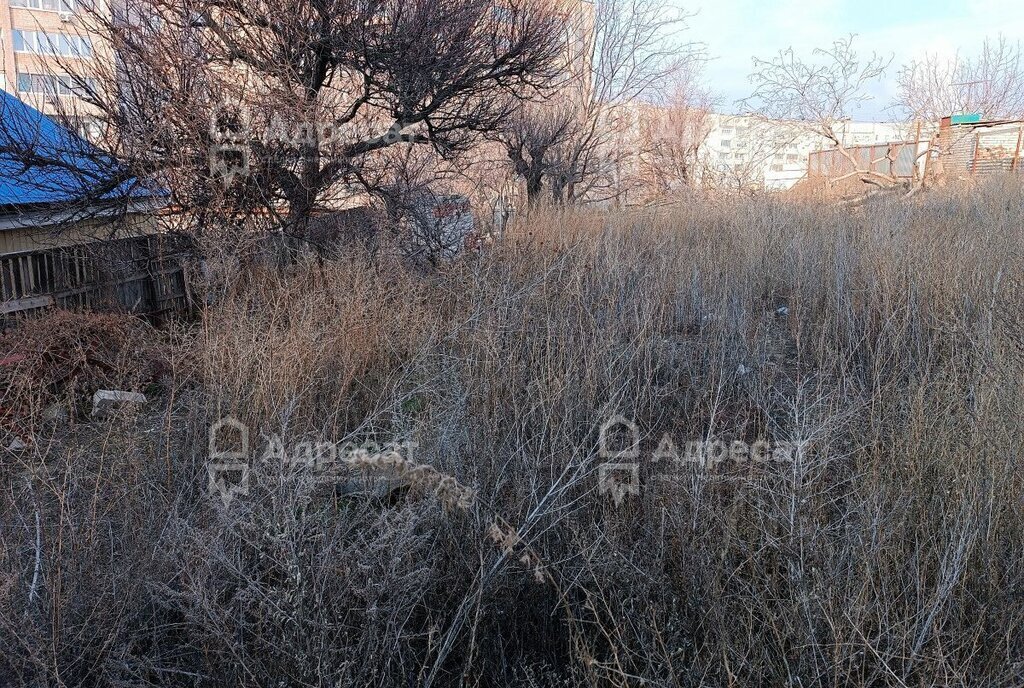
(665, 148)
(741, 150)
(42, 43)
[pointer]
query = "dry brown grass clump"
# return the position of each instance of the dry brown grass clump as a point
(56, 362)
(886, 341)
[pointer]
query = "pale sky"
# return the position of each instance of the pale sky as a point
(736, 30)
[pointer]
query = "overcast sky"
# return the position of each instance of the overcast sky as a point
(736, 30)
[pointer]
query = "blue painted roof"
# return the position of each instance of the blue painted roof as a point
(63, 168)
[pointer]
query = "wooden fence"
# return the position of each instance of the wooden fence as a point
(141, 274)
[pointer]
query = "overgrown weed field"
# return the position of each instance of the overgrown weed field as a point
(421, 499)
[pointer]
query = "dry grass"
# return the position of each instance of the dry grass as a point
(888, 339)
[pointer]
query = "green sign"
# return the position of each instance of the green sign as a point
(965, 119)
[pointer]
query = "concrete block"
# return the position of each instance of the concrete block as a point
(107, 402)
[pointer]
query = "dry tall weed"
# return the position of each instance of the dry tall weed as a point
(887, 341)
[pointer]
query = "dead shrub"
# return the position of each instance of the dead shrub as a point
(60, 358)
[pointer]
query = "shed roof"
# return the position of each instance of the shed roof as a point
(44, 164)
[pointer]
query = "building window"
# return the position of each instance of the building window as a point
(792, 157)
(726, 143)
(88, 128)
(776, 168)
(49, 5)
(726, 131)
(26, 84)
(53, 85)
(46, 43)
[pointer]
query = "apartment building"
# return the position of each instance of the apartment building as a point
(746, 151)
(42, 43)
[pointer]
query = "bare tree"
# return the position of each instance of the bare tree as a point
(276, 109)
(817, 96)
(990, 83)
(671, 136)
(623, 51)
(531, 137)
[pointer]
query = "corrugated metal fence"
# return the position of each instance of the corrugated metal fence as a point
(985, 149)
(891, 159)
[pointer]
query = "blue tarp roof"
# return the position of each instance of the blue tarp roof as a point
(63, 169)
